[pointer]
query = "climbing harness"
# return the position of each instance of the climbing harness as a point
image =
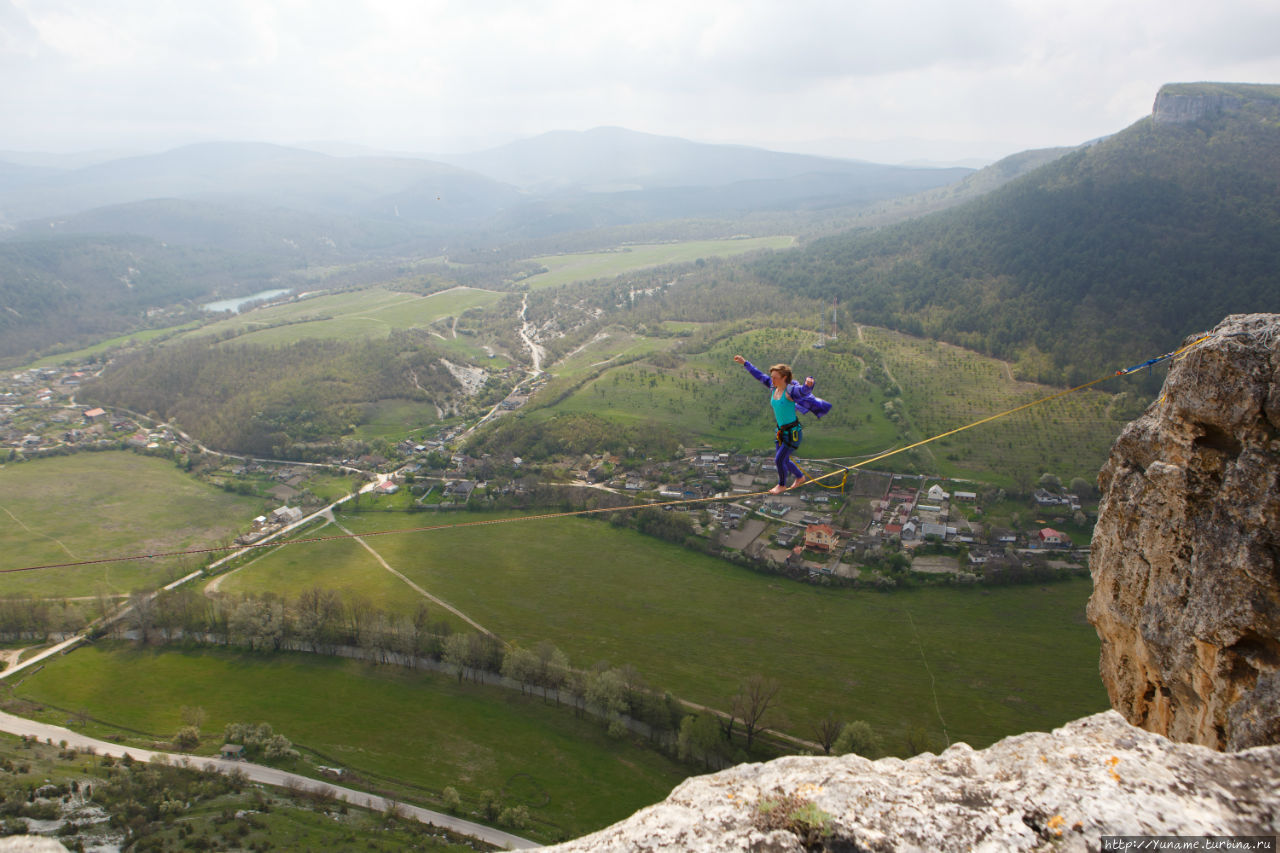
(791, 435)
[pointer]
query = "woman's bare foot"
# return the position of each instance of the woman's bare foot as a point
(800, 481)
(777, 490)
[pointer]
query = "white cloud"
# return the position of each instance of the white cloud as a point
(449, 73)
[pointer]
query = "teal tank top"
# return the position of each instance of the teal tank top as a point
(783, 409)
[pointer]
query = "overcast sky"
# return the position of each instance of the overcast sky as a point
(885, 80)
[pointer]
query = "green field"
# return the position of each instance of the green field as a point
(709, 399)
(415, 732)
(945, 386)
(1001, 660)
(608, 345)
(712, 400)
(130, 339)
(396, 420)
(563, 269)
(95, 505)
(353, 315)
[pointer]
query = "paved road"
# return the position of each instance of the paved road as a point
(265, 775)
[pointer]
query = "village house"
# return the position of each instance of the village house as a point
(95, 415)
(286, 515)
(820, 537)
(1050, 537)
(979, 556)
(1002, 536)
(1044, 499)
(936, 493)
(930, 530)
(461, 489)
(776, 508)
(786, 536)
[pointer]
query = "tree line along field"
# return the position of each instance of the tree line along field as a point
(413, 733)
(972, 665)
(94, 505)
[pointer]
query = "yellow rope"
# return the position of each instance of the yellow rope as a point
(842, 470)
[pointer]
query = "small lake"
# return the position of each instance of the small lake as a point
(236, 303)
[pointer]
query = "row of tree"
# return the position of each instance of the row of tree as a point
(322, 621)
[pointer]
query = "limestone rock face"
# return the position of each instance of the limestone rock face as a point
(1186, 552)
(1182, 109)
(1178, 105)
(1059, 791)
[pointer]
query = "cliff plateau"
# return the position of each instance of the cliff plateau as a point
(1185, 601)
(1183, 103)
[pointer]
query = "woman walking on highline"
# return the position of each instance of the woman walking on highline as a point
(787, 398)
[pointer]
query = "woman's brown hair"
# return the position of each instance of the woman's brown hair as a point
(784, 369)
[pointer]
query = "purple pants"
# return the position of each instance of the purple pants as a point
(782, 458)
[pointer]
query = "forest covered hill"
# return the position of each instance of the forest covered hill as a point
(1111, 254)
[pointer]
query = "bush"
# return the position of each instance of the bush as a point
(857, 737)
(187, 739)
(516, 817)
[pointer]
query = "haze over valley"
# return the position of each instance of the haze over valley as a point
(431, 477)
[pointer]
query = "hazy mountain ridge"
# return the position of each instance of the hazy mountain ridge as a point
(268, 174)
(613, 159)
(1110, 254)
(469, 188)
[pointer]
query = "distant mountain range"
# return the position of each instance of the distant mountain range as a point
(89, 245)
(265, 175)
(1064, 261)
(611, 159)
(570, 166)
(1103, 257)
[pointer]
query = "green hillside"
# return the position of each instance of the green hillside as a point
(279, 400)
(1102, 258)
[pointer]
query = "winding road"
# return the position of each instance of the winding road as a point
(267, 776)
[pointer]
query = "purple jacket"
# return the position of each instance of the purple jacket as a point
(802, 395)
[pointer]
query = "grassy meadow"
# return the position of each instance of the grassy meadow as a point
(966, 664)
(710, 399)
(414, 732)
(565, 269)
(944, 386)
(93, 505)
(129, 340)
(350, 315)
